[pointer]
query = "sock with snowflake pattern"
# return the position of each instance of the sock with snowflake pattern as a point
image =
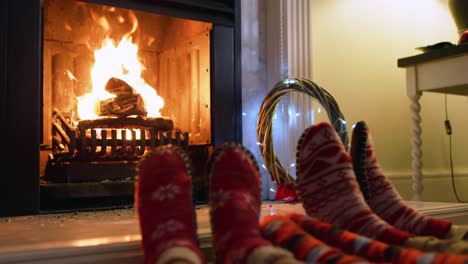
(235, 208)
(384, 199)
(163, 201)
(329, 190)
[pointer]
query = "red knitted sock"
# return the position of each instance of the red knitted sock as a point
(235, 205)
(384, 199)
(163, 200)
(329, 190)
(282, 231)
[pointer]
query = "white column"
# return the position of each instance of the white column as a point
(300, 66)
(299, 42)
(289, 56)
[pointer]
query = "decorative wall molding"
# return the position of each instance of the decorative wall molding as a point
(443, 174)
(288, 40)
(289, 55)
(437, 185)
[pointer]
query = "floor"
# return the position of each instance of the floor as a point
(112, 236)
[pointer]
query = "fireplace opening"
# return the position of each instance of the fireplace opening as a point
(32, 120)
(116, 83)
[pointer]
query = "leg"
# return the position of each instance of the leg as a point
(416, 148)
(329, 189)
(374, 250)
(283, 231)
(163, 201)
(384, 199)
(235, 208)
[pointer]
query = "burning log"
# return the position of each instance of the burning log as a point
(119, 87)
(63, 133)
(123, 105)
(127, 102)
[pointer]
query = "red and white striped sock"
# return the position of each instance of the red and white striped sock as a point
(283, 231)
(385, 200)
(235, 208)
(329, 189)
(163, 201)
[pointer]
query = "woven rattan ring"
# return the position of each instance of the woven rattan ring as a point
(265, 118)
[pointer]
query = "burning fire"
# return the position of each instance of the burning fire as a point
(118, 61)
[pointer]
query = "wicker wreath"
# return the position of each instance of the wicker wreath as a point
(265, 117)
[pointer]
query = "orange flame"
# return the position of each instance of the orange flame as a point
(119, 61)
(70, 75)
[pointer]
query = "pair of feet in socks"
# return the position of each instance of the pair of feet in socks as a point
(163, 200)
(331, 184)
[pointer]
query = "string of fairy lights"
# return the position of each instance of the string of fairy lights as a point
(266, 115)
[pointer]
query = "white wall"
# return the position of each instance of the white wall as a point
(356, 45)
(254, 80)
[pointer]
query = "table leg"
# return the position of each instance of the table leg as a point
(416, 147)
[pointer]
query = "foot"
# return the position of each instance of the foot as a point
(329, 189)
(163, 200)
(235, 208)
(384, 199)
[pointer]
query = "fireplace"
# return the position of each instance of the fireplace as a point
(67, 156)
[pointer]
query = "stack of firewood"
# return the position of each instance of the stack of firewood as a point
(126, 102)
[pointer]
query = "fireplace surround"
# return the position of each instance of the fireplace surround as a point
(21, 79)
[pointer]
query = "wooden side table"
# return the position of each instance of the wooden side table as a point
(443, 70)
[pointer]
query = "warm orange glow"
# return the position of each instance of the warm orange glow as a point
(67, 26)
(119, 61)
(128, 133)
(70, 75)
(106, 240)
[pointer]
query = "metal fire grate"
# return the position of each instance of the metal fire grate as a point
(107, 148)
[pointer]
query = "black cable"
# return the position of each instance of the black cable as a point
(448, 130)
